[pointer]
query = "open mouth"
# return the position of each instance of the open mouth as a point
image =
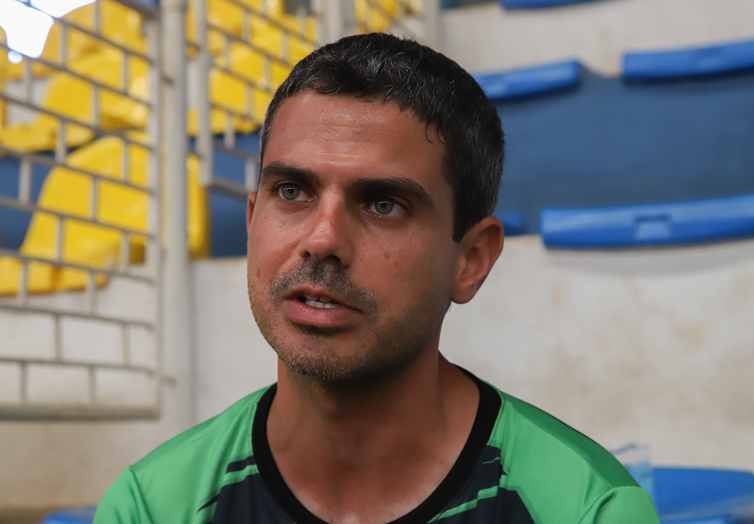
(318, 302)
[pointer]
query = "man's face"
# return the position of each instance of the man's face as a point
(351, 261)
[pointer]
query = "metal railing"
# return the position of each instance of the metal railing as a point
(213, 64)
(92, 369)
(373, 15)
(331, 18)
(63, 299)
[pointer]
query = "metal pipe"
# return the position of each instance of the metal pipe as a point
(63, 119)
(203, 64)
(339, 16)
(52, 163)
(24, 182)
(20, 205)
(57, 262)
(176, 308)
(431, 18)
(63, 45)
(154, 247)
(23, 285)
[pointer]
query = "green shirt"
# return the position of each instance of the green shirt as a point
(519, 465)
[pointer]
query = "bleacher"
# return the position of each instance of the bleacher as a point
(657, 158)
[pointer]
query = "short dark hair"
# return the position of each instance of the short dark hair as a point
(438, 91)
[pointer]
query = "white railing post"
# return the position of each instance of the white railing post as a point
(176, 303)
(430, 12)
(203, 66)
(338, 19)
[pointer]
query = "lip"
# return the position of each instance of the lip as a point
(319, 293)
(301, 313)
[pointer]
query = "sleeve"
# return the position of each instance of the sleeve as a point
(123, 503)
(624, 505)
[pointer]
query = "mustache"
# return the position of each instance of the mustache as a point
(328, 275)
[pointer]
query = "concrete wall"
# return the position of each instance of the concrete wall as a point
(486, 37)
(81, 365)
(233, 359)
(651, 346)
(57, 464)
(58, 361)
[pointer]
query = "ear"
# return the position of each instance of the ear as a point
(250, 209)
(480, 247)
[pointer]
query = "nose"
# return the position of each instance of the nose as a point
(328, 235)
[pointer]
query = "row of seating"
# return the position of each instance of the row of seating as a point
(227, 234)
(657, 224)
(604, 151)
(61, 190)
(700, 221)
(689, 63)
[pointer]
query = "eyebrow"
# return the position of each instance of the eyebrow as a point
(296, 174)
(398, 186)
(391, 185)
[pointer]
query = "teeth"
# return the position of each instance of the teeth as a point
(317, 303)
(320, 302)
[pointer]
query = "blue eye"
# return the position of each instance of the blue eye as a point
(289, 192)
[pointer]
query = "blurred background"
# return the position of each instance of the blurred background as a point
(622, 304)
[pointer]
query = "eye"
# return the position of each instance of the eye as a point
(386, 207)
(289, 192)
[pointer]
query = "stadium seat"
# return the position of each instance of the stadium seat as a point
(689, 63)
(652, 224)
(530, 81)
(513, 223)
(84, 515)
(93, 245)
(703, 496)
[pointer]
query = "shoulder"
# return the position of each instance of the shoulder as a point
(204, 441)
(190, 467)
(555, 469)
(534, 431)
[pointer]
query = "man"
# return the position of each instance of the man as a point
(381, 161)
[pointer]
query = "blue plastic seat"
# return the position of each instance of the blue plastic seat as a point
(516, 83)
(652, 224)
(513, 223)
(703, 496)
(84, 515)
(689, 63)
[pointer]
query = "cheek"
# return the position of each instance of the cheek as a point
(412, 267)
(269, 249)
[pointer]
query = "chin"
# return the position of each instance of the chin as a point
(327, 361)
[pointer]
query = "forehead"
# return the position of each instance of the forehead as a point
(333, 133)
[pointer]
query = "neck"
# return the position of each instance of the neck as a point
(410, 424)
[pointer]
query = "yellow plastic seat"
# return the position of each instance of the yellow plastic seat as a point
(97, 246)
(93, 245)
(72, 97)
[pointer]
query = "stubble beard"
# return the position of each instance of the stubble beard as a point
(381, 345)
